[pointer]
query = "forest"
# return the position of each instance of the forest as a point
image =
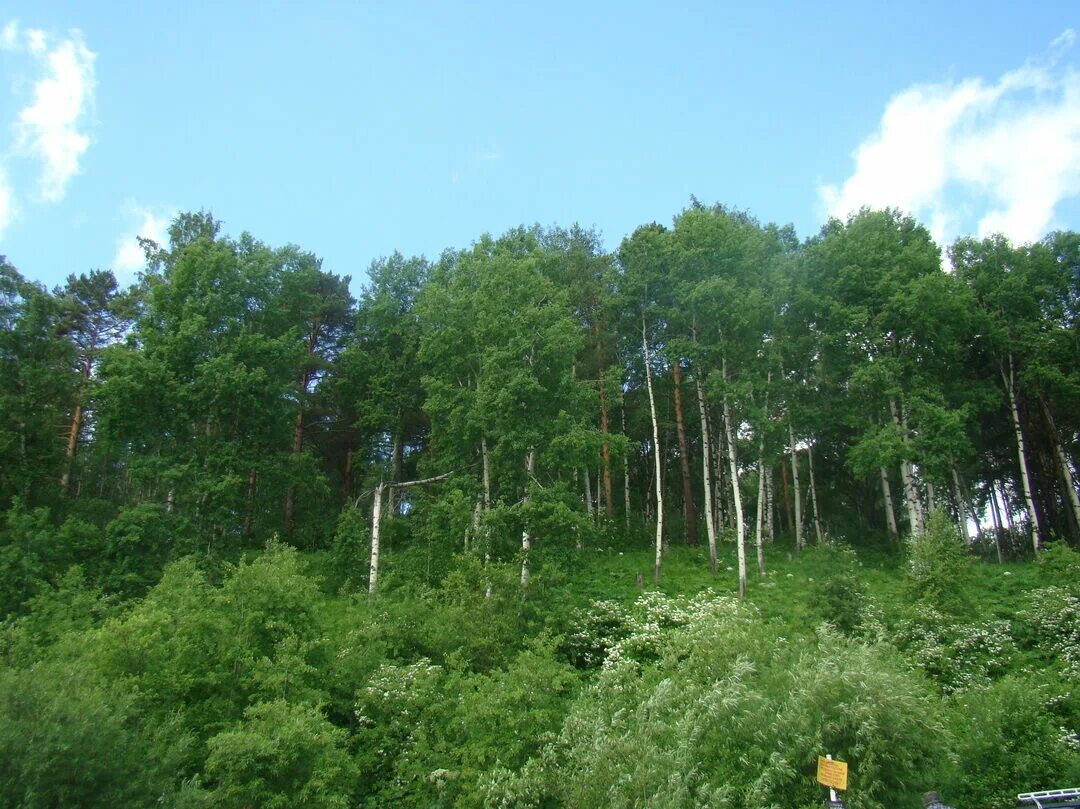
(535, 524)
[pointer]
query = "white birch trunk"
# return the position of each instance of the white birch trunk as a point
(770, 506)
(760, 521)
(376, 522)
(706, 463)
(526, 537)
(718, 480)
(626, 477)
(656, 455)
(795, 485)
(736, 494)
(917, 500)
(890, 512)
(813, 493)
(1066, 471)
(1029, 502)
(487, 473)
(911, 499)
(487, 503)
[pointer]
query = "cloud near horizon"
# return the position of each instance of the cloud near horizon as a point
(152, 224)
(970, 155)
(51, 129)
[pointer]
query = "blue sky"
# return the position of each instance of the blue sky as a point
(356, 129)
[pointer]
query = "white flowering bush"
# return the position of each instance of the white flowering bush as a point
(388, 713)
(609, 632)
(723, 711)
(957, 655)
(1051, 627)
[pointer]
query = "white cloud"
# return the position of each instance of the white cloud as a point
(994, 157)
(51, 128)
(151, 224)
(9, 36)
(36, 40)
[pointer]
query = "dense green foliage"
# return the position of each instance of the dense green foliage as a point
(561, 465)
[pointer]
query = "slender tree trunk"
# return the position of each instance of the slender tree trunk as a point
(961, 508)
(789, 519)
(799, 542)
(890, 511)
(76, 421)
(931, 499)
(1063, 461)
(486, 458)
(718, 463)
(917, 500)
(487, 472)
(605, 449)
(626, 477)
(995, 516)
(736, 494)
(589, 496)
(911, 497)
(1010, 389)
(706, 463)
(656, 455)
(376, 522)
(600, 491)
(770, 505)
(813, 493)
(72, 447)
(526, 537)
(760, 521)
(689, 512)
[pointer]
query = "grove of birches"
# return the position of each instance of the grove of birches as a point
(533, 524)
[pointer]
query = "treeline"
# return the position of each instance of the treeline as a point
(715, 379)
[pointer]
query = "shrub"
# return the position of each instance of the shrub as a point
(280, 756)
(1051, 627)
(937, 566)
(956, 654)
(1009, 739)
(730, 714)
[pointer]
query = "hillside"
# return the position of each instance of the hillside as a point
(273, 682)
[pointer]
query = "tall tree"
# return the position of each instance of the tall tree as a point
(93, 318)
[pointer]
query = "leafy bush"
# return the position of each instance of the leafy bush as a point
(840, 596)
(1010, 738)
(1051, 626)
(956, 654)
(730, 714)
(278, 757)
(69, 738)
(937, 566)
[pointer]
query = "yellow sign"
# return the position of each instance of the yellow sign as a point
(831, 773)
